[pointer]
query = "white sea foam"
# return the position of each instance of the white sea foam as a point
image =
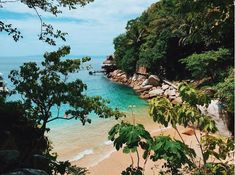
(108, 142)
(82, 154)
(105, 156)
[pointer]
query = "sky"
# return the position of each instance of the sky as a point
(91, 28)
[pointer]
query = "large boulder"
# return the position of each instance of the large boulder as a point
(154, 80)
(145, 82)
(27, 171)
(218, 114)
(144, 88)
(170, 92)
(8, 159)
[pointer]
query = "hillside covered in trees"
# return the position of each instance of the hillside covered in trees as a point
(179, 39)
(183, 39)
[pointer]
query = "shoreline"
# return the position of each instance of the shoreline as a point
(117, 161)
(146, 86)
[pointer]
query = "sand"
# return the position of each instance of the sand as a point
(89, 147)
(118, 161)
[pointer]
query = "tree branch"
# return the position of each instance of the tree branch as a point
(8, 1)
(61, 118)
(203, 158)
(39, 16)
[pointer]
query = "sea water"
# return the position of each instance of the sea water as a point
(87, 144)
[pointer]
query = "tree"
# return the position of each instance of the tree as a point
(47, 85)
(210, 63)
(179, 158)
(48, 34)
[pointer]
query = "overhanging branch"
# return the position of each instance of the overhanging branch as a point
(61, 118)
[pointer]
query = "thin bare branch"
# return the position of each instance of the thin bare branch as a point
(40, 18)
(61, 118)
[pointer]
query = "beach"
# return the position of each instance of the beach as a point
(89, 147)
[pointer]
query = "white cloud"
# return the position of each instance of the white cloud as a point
(106, 19)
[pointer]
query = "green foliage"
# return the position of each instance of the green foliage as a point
(218, 147)
(178, 156)
(10, 30)
(161, 111)
(131, 136)
(133, 171)
(47, 34)
(210, 63)
(47, 85)
(169, 31)
(215, 169)
(174, 152)
(225, 92)
(192, 96)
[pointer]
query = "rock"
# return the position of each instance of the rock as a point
(216, 111)
(27, 171)
(134, 78)
(145, 82)
(165, 86)
(156, 92)
(141, 78)
(177, 94)
(141, 70)
(172, 97)
(8, 159)
(177, 100)
(154, 88)
(41, 162)
(136, 87)
(170, 92)
(145, 88)
(188, 131)
(144, 96)
(153, 80)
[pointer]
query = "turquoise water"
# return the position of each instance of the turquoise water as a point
(98, 85)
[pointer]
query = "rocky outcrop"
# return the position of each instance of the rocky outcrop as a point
(146, 86)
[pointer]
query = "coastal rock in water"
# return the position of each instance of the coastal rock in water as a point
(136, 87)
(145, 96)
(144, 88)
(156, 92)
(27, 171)
(8, 159)
(153, 80)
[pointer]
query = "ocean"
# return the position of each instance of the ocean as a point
(87, 144)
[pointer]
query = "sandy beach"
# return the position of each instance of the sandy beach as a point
(89, 147)
(118, 161)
